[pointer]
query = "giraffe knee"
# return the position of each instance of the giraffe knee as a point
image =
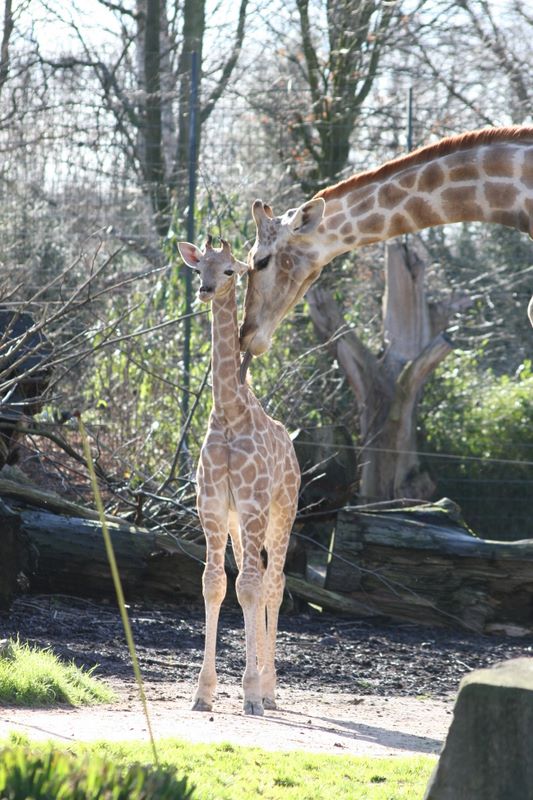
(214, 586)
(248, 588)
(274, 589)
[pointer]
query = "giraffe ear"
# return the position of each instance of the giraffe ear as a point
(308, 216)
(190, 254)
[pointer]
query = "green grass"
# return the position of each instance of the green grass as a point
(33, 677)
(55, 775)
(228, 772)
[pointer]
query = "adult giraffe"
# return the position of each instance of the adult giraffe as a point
(484, 175)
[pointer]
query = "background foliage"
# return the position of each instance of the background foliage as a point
(94, 135)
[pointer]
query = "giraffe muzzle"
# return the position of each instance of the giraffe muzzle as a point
(205, 294)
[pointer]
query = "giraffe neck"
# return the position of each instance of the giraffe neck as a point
(227, 390)
(486, 177)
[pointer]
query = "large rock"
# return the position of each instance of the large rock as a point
(488, 753)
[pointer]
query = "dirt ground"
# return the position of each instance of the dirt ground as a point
(344, 686)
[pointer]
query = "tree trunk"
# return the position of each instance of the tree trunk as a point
(154, 165)
(193, 36)
(387, 389)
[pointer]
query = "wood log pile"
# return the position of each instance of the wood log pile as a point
(424, 565)
(418, 564)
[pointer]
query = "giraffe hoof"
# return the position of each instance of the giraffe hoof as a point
(253, 707)
(269, 703)
(201, 705)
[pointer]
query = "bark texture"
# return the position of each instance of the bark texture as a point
(387, 387)
(423, 564)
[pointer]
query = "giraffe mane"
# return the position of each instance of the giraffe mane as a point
(444, 147)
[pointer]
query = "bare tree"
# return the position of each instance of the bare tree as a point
(145, 88)
(387, 386)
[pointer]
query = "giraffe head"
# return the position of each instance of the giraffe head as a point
(217, 267)
(283, 263)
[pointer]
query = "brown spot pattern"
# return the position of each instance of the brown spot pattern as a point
(523, 223)
(498, 161)
(463, 148)
(359, 194)
(369, 240)
(335, 220)
(408, 179)
(364, 207)
(399, 224)
(372, 224)
(464, 172)
(390, 195)
(423, 212)
(459, 159)
(500, 195)
(460, 204)
(527, 169)
(431, 178)
(509, 218)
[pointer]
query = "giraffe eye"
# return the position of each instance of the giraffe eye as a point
(262, 263)
(229, 271)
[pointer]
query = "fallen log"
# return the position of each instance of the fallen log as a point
(15, 556)
(420, 564)
(24, 493)
(70, 558)
(424, 565)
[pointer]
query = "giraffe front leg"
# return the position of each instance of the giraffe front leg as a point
(214, 590)
(249, 594)
(248, 589)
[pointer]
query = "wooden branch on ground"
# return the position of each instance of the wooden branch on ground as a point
(424, 565)
(29, 495)
(70, 557)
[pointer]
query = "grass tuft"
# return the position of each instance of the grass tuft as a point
(51, 773)
(33, 677)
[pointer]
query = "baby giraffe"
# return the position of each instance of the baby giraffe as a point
(247, 485)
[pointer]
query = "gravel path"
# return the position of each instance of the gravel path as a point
(344, 686)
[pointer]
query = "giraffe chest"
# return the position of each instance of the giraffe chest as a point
(254, 454)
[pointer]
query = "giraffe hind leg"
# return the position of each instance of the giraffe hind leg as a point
(274, 583)
(250, 596)
(235, 535)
